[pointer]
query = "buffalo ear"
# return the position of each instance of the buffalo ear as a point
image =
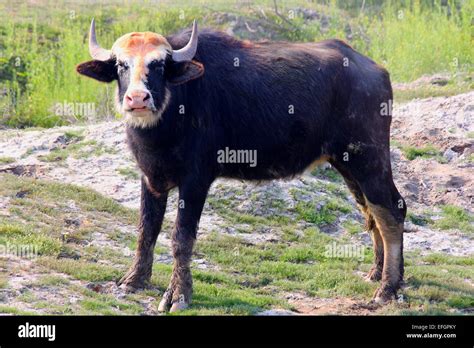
(180, 73)
(104, 71)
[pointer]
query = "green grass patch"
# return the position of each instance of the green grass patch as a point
(27, 242)
(51, 280)
(454, 217)
(39, 192)
(6, 160)
(329, 174)
(129, 173)
(327, 213)
(4, 309)
(82, 270)
(427, 91)
(429, 151)
(353, 227)
(418, 219)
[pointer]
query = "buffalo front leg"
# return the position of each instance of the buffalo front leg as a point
(152, 211)
(179, 292)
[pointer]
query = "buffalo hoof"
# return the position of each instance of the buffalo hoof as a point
(167, 304)
(374, 275)
(178, 306)
(131, 282)
(385, 294)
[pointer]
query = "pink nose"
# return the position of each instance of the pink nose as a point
(137, 99)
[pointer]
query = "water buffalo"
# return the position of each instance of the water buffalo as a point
(188, 97)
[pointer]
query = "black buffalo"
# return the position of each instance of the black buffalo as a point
(190, 100)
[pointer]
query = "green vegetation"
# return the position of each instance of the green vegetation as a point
(82, 270)
(64, 222)
(429, 151)
(456, 85)
(130, 173)
(450, 217)
(353, 227)
(327, 213)
(327, 174)
(418, 219)
(28, 240)
(455, 218)
(6, 160)
(42, 42)
(75, 146)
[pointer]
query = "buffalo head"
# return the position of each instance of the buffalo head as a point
(144, 65)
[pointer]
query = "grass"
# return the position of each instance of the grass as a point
(73, 136)
(6, 160)
(453, 217)
(74, 146)
(455, 86)
(417, 219)
(326, 214)
(82, 270)
(51, 280)
(329, 174)
(450, 217)
(242, 279)
(353, 227)
(42, 43)
(130, 173)
(428, 151)
(430, 40)
(38, 191)
(28, 241)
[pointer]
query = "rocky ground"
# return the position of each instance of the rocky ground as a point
(432, 152)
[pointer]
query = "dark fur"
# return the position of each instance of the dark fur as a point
(337, 116)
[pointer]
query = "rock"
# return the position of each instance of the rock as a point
(450, 155)
(69, 255)
(96, 287)
(22, 194)
(410, 227)
(411, 187)
(61, 140)
(76, 222)
(462, 148)
(23, 170)
(439, 80)
(455, 181)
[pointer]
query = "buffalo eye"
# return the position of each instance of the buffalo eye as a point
(122, 66)
(156, 65)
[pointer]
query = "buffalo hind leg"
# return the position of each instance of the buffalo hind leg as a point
(375, 272)
(152, 211)
(388, 210)
(191, 202)
(369, 177)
